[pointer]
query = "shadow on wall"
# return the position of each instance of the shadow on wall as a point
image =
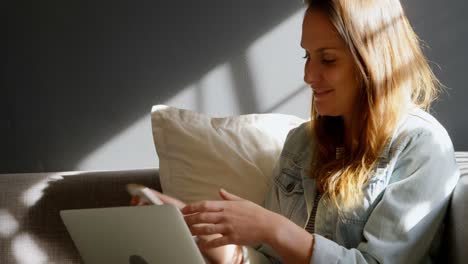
(80, 72)
(76, 74)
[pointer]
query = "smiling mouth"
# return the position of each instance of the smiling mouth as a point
(319, 94)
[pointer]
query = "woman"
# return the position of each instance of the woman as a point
(369, 178)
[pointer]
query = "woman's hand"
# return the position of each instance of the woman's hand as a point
(166, 199)
(242, 222)
(239, 221)
(226, 254)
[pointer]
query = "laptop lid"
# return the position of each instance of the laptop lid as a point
(132, 235)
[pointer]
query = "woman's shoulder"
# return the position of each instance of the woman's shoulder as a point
(298, 142)
(423, 122)
(419, 128)
(299, 133)
(423, 152)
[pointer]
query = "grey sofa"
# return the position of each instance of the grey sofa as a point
(31, 230)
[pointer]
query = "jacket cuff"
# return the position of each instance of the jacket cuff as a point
(326, 251)
(251, 255)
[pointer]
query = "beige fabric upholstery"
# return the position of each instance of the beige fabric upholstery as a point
(31, 230)
(456, 234)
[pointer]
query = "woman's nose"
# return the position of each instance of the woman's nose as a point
(311, 73)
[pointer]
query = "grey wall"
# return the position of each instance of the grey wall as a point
(78, 78)
(77, 73)
(443, 26)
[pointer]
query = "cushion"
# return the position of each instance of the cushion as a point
(456, 237)
(199, 154)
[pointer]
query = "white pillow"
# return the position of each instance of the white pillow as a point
(199, 154)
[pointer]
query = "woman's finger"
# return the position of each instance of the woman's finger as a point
(207, 229)
(137, 201)
(134, 200)
(229, 196)
(204, 206)
(217, 242)
(166, 199)
(203, 218)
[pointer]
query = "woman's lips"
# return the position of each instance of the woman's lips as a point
(318, 94)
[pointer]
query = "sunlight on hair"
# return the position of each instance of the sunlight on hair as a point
(8, 224)
(398, 67)
(26, 251)
(415, 215)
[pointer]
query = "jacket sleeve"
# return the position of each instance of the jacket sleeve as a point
(404, 223)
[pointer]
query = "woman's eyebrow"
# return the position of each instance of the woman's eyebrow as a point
(320, 50)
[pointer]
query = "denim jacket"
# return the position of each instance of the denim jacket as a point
(399, 219)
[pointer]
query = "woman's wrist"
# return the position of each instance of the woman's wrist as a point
(271, 231)
(293, 243)
(228, 254)
(275, 230)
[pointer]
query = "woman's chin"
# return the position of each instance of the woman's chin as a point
(326, 112)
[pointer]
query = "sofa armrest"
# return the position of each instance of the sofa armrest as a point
(31, 203)
(456, 233)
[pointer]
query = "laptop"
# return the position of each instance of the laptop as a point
(132, 235)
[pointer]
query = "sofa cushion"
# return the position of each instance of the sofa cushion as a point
(198, 154)
(456, 235)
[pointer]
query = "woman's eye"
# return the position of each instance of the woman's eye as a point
(306, 56)
(328, 61)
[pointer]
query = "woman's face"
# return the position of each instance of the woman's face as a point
(329, 67)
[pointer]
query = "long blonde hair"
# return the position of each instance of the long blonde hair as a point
(393, 73)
